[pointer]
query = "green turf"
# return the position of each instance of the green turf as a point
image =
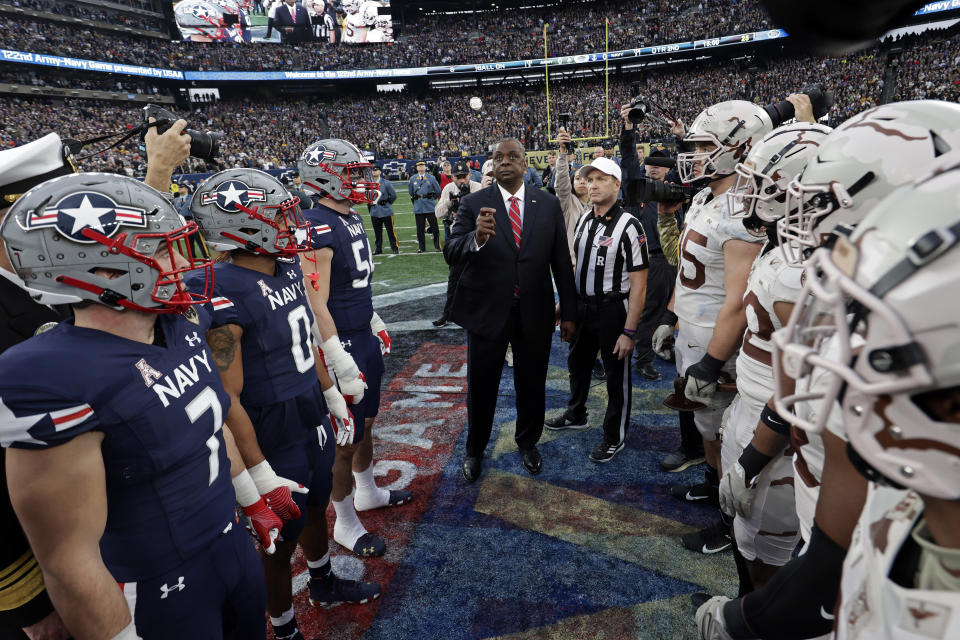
(409, 269)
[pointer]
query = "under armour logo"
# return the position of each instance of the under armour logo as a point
(150, 375)
(292, 275)
(177, 587)
(346, 343)
(193, 339)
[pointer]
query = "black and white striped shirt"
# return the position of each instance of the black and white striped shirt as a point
(608, 248)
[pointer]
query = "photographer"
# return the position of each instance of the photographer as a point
(446, 210)
(381, 213)
(661, 276)
(572, 192)
(550, 173)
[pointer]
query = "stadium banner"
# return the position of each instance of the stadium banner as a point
(937, 7)
(88, 65)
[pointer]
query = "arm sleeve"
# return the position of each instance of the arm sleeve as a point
(563, 269)
(629, 161)
(562, 181)
(669, 238)
(410, 187)
(391, 193)
(635, 249)
(436, 187)
(443, 204)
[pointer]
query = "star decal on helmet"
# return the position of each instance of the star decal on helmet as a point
(201, 11)
(314, 155)
(86, 210)
(231, 193)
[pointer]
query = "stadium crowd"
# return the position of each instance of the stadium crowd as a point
(430, 41)
(417, 126)
(97, 14)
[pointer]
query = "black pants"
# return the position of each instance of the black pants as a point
(531, 353)
(691, 442)
(452, 280)
(598, 328)
(422, 220)
(661, 278)
(378, 226)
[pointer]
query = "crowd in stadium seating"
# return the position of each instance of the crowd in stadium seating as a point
(431, 41)
(441, 122)
(40, 77)
(88, 12)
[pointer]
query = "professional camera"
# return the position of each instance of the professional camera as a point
(205, 146)
(820, 99)
(641, 190)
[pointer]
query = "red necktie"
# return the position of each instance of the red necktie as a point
(515, 221)
(293, 13)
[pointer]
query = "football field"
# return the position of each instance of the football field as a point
(408, 269)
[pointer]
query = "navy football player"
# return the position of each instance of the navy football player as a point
(353, 338)
(118, 453)
(262, 344)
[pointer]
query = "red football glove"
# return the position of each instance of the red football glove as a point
(277, 491)
(280, 501)
(379, 329)
(263, 524)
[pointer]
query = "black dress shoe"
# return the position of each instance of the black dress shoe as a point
(471, 468)
(532, 460)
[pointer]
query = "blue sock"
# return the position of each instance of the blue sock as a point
(320, 569)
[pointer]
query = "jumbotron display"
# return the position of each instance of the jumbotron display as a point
(289, 21)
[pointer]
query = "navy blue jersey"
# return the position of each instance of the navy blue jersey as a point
(275, 316)
(351, 301)
(160, 408)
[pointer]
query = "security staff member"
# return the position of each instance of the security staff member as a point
(424, 191)
(611, 278)
(381, 213)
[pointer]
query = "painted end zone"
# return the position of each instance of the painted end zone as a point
(422, 412)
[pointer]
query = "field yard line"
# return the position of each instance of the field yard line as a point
(408, 295)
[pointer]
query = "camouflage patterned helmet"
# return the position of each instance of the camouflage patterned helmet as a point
(760, 192)
(895, 361)
(105, 238)
(336, 169)
(730, 128)
(863, 160)
(249, 209)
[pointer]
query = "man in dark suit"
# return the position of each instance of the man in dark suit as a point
(508, 238)
(293, 22)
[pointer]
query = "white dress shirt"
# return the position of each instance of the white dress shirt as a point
(506, 195)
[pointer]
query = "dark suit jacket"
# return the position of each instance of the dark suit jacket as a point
(485, 293)
(302, 30)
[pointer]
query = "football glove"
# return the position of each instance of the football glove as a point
(276, 491)
(736, 493)
(340, 416)
(379, 329)
(702, 379)
(351, 380)
(262, 523)
(663, 340)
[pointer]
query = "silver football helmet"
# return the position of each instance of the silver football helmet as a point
(861, 162)
(384, 23)
(728, 130)
(106, 238)
(351, 6)
(760, 192)
(881, 301)
(368, 12)
(336, 169)
(199, 18)
(249, 209)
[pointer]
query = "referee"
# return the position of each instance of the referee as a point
(611, 277)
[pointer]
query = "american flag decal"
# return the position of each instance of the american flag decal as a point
(642, 239)
(221, 303)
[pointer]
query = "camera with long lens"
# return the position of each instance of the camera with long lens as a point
(203, 145)
(641, 190)
(820, 99)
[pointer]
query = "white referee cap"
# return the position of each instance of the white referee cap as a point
(605, 165)
(26, 166)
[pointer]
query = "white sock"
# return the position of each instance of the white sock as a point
(316, 564)
(348, 528)
(368, 494)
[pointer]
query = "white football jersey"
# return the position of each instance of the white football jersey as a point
(378, 35)
(771, 280)
(874, 607)
(700, 293)
(354, 30)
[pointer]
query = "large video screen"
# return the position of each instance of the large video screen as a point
(289, 21)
